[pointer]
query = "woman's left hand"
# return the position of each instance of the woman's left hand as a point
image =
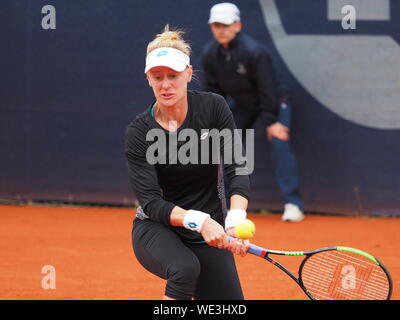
(237, 246)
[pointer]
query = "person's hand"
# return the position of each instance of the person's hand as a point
(214, 234)
(237, 246)
(279, 131)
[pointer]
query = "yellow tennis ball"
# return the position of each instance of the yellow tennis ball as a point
(245, 229)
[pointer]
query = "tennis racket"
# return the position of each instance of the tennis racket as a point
(336, 273)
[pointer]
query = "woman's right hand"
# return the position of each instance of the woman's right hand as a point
(214, 234)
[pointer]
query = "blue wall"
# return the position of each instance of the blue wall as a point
(67, 95)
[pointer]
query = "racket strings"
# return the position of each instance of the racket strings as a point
(339, 275)
(346, 286)
(322, 285)
(327, 274)
(327, 268)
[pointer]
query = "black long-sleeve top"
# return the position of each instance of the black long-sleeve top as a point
(244, 74)
(161, 187)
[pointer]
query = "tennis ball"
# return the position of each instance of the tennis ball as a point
(245, 229)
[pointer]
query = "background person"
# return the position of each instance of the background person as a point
(240, 69)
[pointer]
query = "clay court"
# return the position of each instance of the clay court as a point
(90, 249)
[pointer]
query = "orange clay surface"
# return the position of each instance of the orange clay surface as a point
(90, 249)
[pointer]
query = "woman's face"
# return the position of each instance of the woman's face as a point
(169, 86)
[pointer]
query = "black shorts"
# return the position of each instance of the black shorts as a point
(196, 271)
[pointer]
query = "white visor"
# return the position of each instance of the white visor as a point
(167, 57)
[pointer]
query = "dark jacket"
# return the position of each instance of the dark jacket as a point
(162, 186)
(243, 73)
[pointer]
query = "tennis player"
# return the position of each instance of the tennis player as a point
(182, 225)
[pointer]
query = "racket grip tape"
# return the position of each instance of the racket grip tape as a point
(256, 250)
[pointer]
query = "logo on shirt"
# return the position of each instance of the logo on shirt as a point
(204, 135)
(241, 69)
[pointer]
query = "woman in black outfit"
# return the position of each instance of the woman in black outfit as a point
(182, 222)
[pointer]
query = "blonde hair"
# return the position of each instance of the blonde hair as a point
(170, 39)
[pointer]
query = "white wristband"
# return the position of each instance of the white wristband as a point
(234, 217)
(194, 220)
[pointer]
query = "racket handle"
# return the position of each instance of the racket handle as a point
(256, 250)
